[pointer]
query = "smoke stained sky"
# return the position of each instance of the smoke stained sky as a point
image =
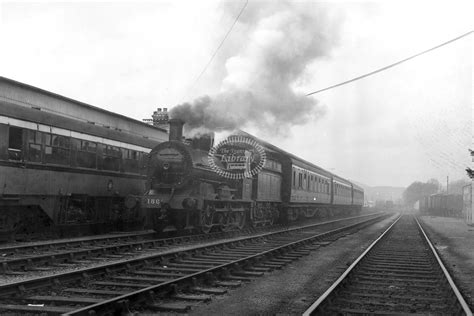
(412, 122)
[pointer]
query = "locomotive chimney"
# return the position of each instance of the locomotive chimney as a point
(176, 129)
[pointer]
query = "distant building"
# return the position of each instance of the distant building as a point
(159, 118)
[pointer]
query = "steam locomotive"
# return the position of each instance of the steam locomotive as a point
(186, 193)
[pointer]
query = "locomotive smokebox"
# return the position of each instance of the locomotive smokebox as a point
(176, 129)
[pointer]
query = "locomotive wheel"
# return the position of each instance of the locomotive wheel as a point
(240, 220)
(205, 217)
(235, 221)
(270, 219)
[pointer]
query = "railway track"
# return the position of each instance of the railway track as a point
(20, 258)
(400, 273)
(47, 256)
(24, 260)
(171, 281)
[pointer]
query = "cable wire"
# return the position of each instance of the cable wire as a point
(222, 42)
(392, 65)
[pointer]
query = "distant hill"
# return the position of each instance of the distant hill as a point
(382, 193)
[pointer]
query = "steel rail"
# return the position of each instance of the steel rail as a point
(321, 299)
(132, 235)
(101, 245)
(142, 294)
(337, 283)
(74, 241)
(64, 251)
(16, 287)
(455, 289)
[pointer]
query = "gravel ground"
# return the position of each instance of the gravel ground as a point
(294, 288)
(454, 241)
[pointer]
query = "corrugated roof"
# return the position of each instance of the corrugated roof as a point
(91, 107)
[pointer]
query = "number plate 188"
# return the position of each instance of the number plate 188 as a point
(150, 202)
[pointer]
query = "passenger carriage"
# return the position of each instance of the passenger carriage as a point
(67, 167)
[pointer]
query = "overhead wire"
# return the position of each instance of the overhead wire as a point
(449, 160)
(222, 42)
(391, 65)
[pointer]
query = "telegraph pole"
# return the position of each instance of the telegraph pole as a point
(447, 185)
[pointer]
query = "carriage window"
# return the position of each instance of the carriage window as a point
(142, 162)
(15, 143)
(130, 160)
(112, 151)
(89, 146)
(57, 149)
(75, 144)
(86, 156)
(34, 137)
(294, 178)
(47, 139)
(112, 157)
(34, 146)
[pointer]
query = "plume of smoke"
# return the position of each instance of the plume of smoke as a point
(258, 89)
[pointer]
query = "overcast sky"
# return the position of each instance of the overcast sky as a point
(411, 122)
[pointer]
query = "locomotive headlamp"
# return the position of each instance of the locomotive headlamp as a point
(166, 166)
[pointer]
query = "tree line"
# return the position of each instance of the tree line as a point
(418, 189)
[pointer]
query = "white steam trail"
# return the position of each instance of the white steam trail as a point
(257, 90)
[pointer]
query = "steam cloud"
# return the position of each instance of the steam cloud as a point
(258, 88)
